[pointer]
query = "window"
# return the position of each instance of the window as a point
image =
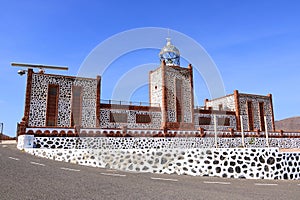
(204, 120)
(143, 118)
(179, 101)
(76, 105)
(220, 107)
(250, 115)
(118, 117)
(224, 121)
(52, 102)
(262, 114)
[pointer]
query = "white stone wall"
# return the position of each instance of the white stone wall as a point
(227, 102)
(226, 163)
(38, 100)
(131, 119)
(156, 87)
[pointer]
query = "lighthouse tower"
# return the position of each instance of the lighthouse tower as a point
(171, 86)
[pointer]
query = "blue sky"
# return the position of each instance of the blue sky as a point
(255, 44)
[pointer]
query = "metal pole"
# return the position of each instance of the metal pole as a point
(267, 134)
(242, 129)
(1, 132)
(215, 127)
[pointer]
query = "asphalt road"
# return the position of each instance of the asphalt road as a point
(23, 176)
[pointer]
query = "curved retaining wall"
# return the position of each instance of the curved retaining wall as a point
(191, 156)
(230, 162)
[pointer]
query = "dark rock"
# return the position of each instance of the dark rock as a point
(261, 159)
(215, 162)
(163, 160)
(266, 168)
(270, 161)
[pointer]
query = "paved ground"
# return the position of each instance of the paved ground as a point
(27, 177)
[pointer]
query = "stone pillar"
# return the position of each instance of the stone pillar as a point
(237, 109)
(98, 98)
(164, 105)
(28, 97)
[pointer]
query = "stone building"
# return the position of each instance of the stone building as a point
(64, 104)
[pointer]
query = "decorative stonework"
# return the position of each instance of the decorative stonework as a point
(38, 102)
(159, 143)
(226, 163)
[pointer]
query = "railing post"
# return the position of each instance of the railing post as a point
(242, 131)
(267, 134)
(1, 131)
(215, 127)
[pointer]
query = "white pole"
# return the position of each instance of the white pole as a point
(266, 129)
(215, 126)
(242, 129)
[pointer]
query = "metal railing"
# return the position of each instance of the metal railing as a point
(131, 103)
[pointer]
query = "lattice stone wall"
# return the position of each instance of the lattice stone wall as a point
(182, 74)
(243, 98)
(227, 102)
(131, 119)
(159, 143)
(38, 101)
(226, 162)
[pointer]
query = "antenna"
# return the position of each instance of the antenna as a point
(40, 66)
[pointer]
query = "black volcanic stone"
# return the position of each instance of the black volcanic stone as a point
(237, 169)
(215, 162)
(232, 163)
(247, 158)
(261, 159)
(270, 161)
(218, 169)
(230, 170)
(266, 168)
